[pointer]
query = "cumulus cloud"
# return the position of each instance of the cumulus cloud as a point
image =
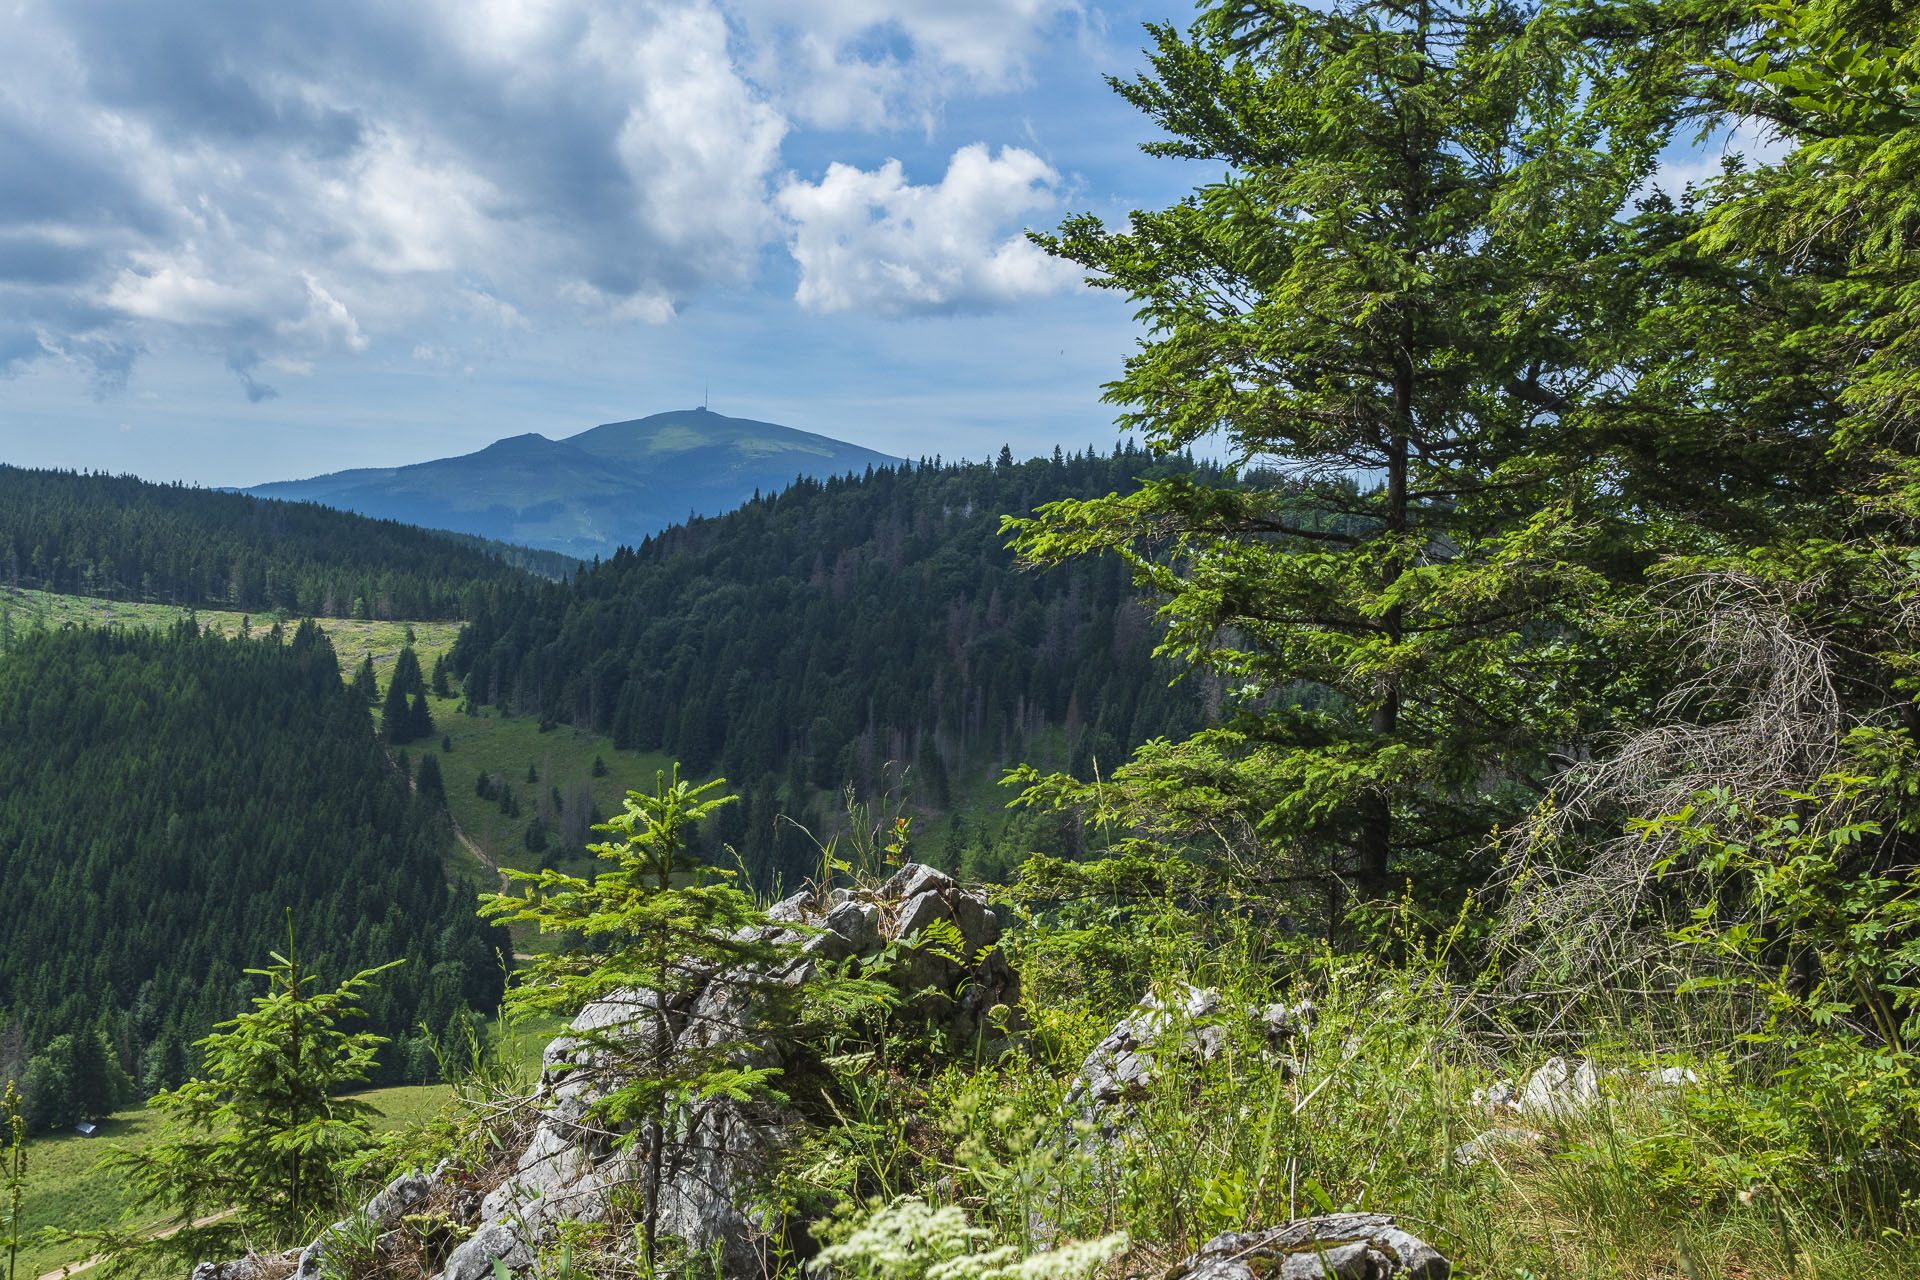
(271, 184)
(874, 63)
(871, 240)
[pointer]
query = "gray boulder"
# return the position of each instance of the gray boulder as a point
(1121, 1068)
(473, 1260)
(718, 1151)
(255, 1266)
(1561, 1088)
(1190, 1025)
(397, 1198)
(1338, 1246)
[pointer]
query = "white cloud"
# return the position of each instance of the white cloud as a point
(275, 183)
(596, 304)
(698, 144)
(876, 64)
(498, 310)
(1694, 166)
(870, 240)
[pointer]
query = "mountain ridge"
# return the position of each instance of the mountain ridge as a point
(590, 493)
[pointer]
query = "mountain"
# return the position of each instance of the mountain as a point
(594, 492)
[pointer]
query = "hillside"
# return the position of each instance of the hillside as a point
(123, 538)
(165, 801)
(591, 493)
(873, 631)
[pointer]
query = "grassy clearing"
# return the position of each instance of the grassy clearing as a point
(63, 1189)
(353, 638)
(513, 746)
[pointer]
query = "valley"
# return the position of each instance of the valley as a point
(68, 1191)
(1407, 770)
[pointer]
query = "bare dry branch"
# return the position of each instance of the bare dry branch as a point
(1760, 715)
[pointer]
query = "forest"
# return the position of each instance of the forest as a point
(1498, 827)
(871, 630)
(128, 539)
(170, 804)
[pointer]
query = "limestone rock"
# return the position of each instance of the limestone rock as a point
(1476, 1149)
(315, 1254)
(1339, 1246)
(1284, 1023)
(1495, 1096)
(1120, 1070)
(397, 1197)
(572, 1166)
(473, 1260)
(255, 1266)
(1560, 1088)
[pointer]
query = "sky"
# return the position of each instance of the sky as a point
(243, 242)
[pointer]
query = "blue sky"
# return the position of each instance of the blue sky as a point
(245, 242)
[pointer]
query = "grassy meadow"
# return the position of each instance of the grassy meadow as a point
(65, 1191)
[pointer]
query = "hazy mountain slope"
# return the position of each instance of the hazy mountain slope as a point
(591, 493)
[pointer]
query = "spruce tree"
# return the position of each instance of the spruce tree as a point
(1379, 303)
(396, 717)
(262, 1132)
(406, 672)
(659, 922)
(429, 784)
(419, 719)
(366, 685)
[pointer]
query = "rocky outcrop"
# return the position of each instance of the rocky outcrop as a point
(255, 1266)
(1189, 1027)
(934, 941)
(1562, 1088)
(1481, 1147)
(1558, 1090)
(1338, 1246)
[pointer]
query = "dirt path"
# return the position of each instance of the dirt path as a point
(480, 856)
(478, 853)
(75, 1268)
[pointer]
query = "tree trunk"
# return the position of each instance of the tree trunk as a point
(1376, 821)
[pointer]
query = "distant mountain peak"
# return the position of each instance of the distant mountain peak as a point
(590, 493)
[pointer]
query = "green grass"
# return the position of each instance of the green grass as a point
(63, 1189)
(353, 638)
(509, 746)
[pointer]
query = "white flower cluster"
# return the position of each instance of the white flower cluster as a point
(911, 1240)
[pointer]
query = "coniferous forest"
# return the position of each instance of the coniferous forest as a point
(1476, 834)
(125, 538)
(874, 631)
(165, 802)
